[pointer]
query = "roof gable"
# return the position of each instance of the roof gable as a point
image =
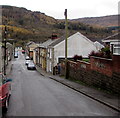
(77, 35)
(33, 45)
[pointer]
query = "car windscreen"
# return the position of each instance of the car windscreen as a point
(27, 58)
(31, 64)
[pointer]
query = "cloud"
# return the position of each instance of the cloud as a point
(76, 8)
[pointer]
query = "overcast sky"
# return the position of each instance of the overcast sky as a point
(76, 8)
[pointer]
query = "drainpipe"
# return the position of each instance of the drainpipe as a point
(52, 60)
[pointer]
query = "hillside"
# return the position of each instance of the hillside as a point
(24, 25)
(104, 21)
(34, 22)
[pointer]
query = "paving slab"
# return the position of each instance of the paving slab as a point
(9, 68)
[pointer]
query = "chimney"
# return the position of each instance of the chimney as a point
(54, 36)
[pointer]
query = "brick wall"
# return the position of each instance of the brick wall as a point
(102, 65)
(116, 63)
(86, 73)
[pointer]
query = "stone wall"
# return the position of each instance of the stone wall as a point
(86, 73)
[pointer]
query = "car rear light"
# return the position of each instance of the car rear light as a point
(2, 98)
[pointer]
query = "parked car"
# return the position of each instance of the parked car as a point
(27, 58)
(16, 55)
(31, 66)
(27, 62)
(5, 91)
(23, 51)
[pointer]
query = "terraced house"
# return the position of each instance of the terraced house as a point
(114, 43)
(0, 57)
(8, 56)
(78, 44)
(41, 53)
(30, 46)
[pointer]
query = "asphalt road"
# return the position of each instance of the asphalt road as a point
(36, 95)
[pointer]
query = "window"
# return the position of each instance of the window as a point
(50, 53)
(116, 49)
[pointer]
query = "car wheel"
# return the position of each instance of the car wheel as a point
(5, 108)
(10, 91)
(6, 105)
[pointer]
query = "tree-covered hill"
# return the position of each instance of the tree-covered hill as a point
(24, 25)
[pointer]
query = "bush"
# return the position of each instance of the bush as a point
(97, 54)
(92, 54)
(76, 57)
(105, 53)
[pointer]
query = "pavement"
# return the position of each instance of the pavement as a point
(109, 100)
(8, 68)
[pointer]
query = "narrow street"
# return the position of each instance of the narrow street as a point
(36, 95)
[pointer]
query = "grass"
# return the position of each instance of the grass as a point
(62, 76)
(86, 60)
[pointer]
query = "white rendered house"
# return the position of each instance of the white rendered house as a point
(77, 44)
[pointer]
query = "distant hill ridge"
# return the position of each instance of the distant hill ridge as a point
(103, 21)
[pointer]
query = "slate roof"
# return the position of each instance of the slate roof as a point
(29, 43)
(113, 37)
(47, 43)
(98, 40)
(57, 41)
(98, 45)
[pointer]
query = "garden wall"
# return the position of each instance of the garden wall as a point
(116, 63)
(89, 74)
(102, 65)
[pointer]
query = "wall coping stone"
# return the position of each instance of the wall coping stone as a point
(72, 62)
(101, 58)
(83, 62)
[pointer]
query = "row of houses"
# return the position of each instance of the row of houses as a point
(114, 43)
(4, 59)
(0, 58)
(48, 54)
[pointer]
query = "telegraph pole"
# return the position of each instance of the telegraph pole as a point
(5, 35)
(66, 36)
